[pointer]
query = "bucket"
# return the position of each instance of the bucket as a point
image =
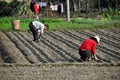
(16, 24)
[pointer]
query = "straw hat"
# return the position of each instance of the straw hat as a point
(97, 38)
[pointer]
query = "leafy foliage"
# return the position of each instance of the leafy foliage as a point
(3, 7)
(10, 9)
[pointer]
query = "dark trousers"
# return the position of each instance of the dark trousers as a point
(34, 31)
(85, 54)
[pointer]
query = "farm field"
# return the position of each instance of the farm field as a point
(56, 57)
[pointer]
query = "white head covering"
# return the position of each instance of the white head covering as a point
(97, 38)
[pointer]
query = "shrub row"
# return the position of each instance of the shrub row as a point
(10, 9)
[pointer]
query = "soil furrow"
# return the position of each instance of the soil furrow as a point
(106, 34)
(110, 43)
(41, 50)
(107, 51)
(68, 48)
(5, 55)
(109, 40)
(62, 39)
(1, 60)
(114, 31)
(33, 49)
(8, 51)
(50, 50)
(24, 50)
(116, 35)
(61, 46)
(59, 55)
(72, 35)
(69, 39)
(69, 44)
(61, 51)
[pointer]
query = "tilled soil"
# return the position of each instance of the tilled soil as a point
(59, 47)
(70, 72)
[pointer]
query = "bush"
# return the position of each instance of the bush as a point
(112, 13)
(10, 9)
(3, 7)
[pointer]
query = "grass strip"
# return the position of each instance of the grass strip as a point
(59, 23)
(62, 64)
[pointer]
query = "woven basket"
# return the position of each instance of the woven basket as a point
(16, 24)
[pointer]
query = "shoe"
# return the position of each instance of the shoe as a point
(88, 59)
(36, 40)
(39, 39)
(83, 58)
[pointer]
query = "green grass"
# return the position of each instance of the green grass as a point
(54, 24)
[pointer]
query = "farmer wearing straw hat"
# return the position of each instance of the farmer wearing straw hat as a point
(88, 48)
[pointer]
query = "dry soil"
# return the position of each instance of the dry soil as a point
(56, 57)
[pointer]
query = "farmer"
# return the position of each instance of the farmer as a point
(35, 8)
(60, 9)
(37, 28)
(88, 48)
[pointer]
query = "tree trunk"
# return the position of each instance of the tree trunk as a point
(98, 5)
(117, 5)
(78, 5)
(87, 5)
(75, 5)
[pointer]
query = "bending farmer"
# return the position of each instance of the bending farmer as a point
(88, 48)
(37, 28)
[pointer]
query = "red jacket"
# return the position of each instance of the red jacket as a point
(36, 8)
(89, 44)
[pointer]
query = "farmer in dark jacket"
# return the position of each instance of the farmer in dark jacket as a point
(37, 28)
(60, 9)
(88, 48)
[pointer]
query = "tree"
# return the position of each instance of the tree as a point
(75, 5)
(98, 5)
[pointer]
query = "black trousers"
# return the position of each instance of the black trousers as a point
(85, 54)
(34, 31)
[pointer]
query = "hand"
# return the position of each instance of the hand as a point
(96, 59)
(38, 30)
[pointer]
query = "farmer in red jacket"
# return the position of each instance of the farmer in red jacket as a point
(88, 48)
(36, 8)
